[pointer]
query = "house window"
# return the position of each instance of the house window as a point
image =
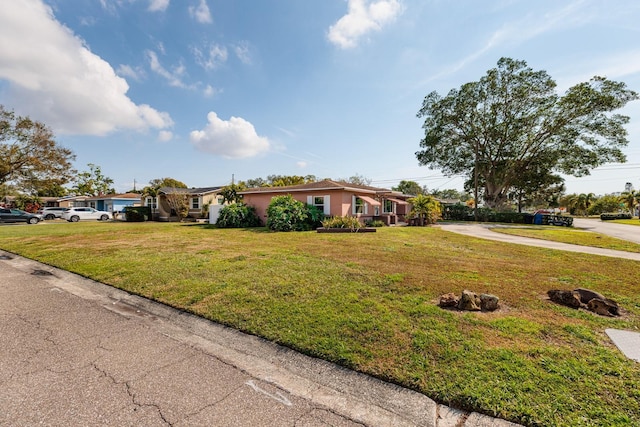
(318, 202)
(151, 202)
(388, 206)
(321, 202)
(358, 206)
(195, 203)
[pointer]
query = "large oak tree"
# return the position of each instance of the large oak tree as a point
(511, 125)
(30, 158)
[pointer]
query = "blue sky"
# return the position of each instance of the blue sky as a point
(203, 90)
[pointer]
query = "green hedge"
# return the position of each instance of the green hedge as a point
(238, 215)
(137, 213)
(610, 216)
(461, 212)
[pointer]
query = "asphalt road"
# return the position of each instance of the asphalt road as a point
(74, 352)
(621, 231)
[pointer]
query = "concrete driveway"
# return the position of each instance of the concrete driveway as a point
(483, 231)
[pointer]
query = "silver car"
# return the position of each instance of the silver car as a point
(52, 212)
(77, 214)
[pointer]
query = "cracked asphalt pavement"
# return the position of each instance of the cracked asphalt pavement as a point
(74, 352)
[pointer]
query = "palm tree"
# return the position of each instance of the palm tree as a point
(630, 198)
(426, 208)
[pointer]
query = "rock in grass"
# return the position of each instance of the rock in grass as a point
(598, 303)
(448, 300)
(603, 307)
(565, 297)
(587, 295)
(469, 301)
(488, 302)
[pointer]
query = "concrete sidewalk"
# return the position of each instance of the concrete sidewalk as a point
(483, 231)
(76, 352)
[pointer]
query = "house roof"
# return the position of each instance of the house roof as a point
(123, 196)
(65, 198)
(193, 191)
(324, 185)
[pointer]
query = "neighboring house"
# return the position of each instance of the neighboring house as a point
(9, 201)
(336, 198)
(199, 199)
(113, 203)
(73, 202)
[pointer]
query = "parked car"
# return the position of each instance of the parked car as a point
(52, 212)
(76, 214)
(16, 215)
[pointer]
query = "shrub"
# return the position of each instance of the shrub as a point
(314, 217)
(238, 215)
(426, 209)
(374, 223)
(608, 203)
(611, 216)
(287, 214)
(457, 212)
(342, 222)
(137, 213)
(27, 203)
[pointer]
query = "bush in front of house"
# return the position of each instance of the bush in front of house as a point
(425, 209)
(342, 222)
(374, 223)
(315, 216)
(288, 214)
(136, 213)
(238, 215)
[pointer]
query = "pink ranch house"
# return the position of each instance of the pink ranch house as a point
(336, 198)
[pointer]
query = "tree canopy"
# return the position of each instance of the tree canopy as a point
(167, 182)
(93, 182)
(410, 187)
(513, 129)
(278, 181)
(30, 158)
(157, 183)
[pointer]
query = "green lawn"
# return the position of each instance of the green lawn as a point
(368, 302)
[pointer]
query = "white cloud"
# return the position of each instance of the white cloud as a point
(301, 164)
(615, 66)
(165, 135)
(53, 77)
(210, 91)
(242, 52)
(525, 28)
(234, 139)
(363, 17)
(201, 12)
(213, 56)
(158, 5)
(128, 71)
(174, 77)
